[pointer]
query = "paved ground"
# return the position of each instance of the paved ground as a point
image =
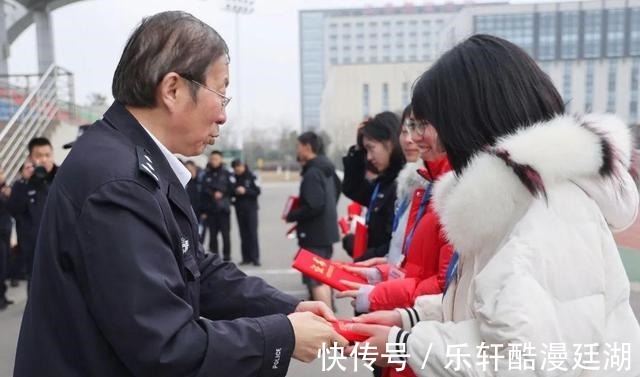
(277, 253)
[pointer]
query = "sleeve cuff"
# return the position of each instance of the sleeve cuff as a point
(397, 337)
(374, 276)
(410, 318)
(279, 343)
(362, 300)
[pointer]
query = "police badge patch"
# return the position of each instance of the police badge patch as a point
(185, 244)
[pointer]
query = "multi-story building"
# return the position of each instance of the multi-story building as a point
(358, 62)
(590, 49)
(370, 55)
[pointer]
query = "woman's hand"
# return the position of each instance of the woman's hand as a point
(371, 262)
(380, 317)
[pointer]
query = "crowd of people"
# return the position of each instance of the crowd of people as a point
(489, 217)
(213, 191)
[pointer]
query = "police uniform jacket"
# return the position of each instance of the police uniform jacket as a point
(26, 205)
(249, 200)
(121, 286)
(217, 179)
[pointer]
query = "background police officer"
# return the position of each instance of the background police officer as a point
(194, 189)
(246, 193)
(28, 197)
(218, 190)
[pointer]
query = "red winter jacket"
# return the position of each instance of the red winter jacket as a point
(427, 257)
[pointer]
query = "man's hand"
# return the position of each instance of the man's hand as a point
(378, 336)
(380, 317)
(311, 332)
(316, 307)
(217, 195)
(240, 190)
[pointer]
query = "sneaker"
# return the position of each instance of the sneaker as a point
(244, 263)
(257, 264)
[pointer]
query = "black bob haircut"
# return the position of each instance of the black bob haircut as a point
(384, 127)
(481, 90)
(312, 139)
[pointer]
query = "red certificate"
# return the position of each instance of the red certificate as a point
(292, 203)
(360, 240)
(324, 270)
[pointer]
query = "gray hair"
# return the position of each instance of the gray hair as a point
(165, 42)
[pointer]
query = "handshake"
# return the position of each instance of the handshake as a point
(315, 326)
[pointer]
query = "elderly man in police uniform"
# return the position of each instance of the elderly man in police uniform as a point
(121, 285)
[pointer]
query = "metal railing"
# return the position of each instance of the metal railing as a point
(50, 96)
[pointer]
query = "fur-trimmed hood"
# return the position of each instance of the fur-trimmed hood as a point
(408, 180)
(500, 183)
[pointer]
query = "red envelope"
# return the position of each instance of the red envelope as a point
(344, 225)
(292, 203)
(341, 328)
(360, 240)
(324, 270)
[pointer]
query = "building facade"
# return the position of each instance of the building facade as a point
(375, 39)
(590, 49)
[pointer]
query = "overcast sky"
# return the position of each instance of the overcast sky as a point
(89, 36)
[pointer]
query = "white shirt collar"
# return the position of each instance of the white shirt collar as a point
(183, 174)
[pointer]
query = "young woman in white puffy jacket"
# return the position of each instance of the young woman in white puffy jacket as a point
(530, 209)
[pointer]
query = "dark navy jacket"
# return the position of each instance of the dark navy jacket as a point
(26, 205)
(217, 179)
(248, 201)
(316, 213)
(121, 286)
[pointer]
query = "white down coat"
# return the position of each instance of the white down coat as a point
(540, 269)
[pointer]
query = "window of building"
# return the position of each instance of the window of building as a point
(569, 34)
(592, 33)
(611, 86)
(515, 27)
(588, 101)
(365, 100)
(547, 36)
(385, 96)
(346, 60)
(634, 35)
(405, 100)
(635, 88)
(566, 85)
(615, 32)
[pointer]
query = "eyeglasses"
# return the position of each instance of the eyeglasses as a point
(416, 127)
(225, 99)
